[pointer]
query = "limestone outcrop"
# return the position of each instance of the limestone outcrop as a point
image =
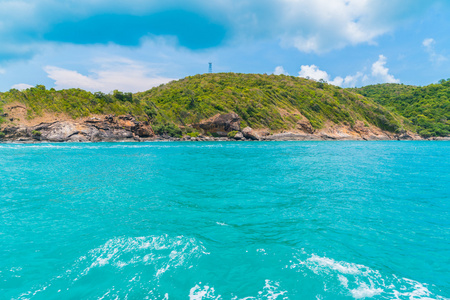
(251, 134)
(111, 128)
(220, 124)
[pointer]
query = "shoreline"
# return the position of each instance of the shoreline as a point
(272, 138)
(225, 127)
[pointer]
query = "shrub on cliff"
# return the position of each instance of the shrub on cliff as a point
(167, 128)
(231, 134)
(193, 134)
(2, 134)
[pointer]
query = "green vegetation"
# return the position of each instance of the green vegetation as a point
(73, 102)
(428, 107)
(1, 112)
(262, 101)
(167, 128)
(36, 133)
(193, 134)
(2, 134)
(231, 134)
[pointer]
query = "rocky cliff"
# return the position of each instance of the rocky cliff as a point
(111, 128)
(223, 106)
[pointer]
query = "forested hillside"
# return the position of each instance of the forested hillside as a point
(275, 102)
(427, 107)
(73, 102)
(262, 101)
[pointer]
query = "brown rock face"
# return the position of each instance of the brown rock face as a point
(220, 124)
(111, 128)
(144, 131)
(127, 123)
(305, 126)
(249, 133)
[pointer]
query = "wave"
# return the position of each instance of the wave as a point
(139, 262)
(270, 291)
(360, 282)
(109, 145)
(163, 267)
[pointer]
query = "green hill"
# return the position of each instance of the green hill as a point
(262, 101)
(74, 102)
(275, 102)
(427, 107)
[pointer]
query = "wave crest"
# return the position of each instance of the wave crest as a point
(138, 263)
(359, 281)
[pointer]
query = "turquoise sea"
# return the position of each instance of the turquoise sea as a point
(225, 220)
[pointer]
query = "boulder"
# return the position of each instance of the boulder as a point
(220, 124)
(17, 131)
(110, 118)
(249, 133)
(127, 117)
(305, 126)
(144, 130)
(238, 136)
(264, 132)
(56, 132)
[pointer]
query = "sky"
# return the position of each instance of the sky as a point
(134, 45)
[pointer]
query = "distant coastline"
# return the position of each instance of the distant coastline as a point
(224, 127)
(228, 107)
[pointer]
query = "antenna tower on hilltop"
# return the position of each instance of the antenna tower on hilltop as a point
(210, 67)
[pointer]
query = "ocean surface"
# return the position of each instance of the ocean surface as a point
(225, 220)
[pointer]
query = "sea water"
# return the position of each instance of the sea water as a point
(225, 220)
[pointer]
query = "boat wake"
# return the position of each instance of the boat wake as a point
(163, 267)
(360, 282)
(139, 263)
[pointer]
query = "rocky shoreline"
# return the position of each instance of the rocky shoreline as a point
(222, 127)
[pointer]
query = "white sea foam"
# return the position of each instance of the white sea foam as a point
(222, 224)
(270, 291)
(154, 260)
(361, 282)
(121, 252)
(158, 254)
(364, 291)
(112, 145)
(201, 293)
(320, 263)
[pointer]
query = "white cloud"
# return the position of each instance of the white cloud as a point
(313, 72)
(322, 25)
(280, 70)
(118, 73)
(379, 74)
(309, 25)
(2, 71)
(352, 80)
(429, 45)
(21, 86)
(428, 42)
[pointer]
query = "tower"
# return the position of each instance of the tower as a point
(210, 67)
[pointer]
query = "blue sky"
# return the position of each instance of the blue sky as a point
(134, 45)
